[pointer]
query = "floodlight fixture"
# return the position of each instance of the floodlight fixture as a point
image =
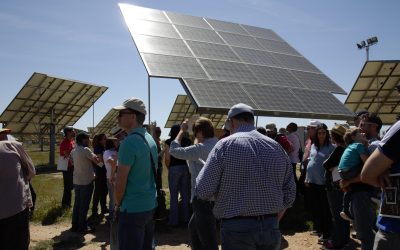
(366, 44)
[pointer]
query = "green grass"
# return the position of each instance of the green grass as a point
(49, 189)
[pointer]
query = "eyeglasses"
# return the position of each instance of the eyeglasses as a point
(124, 113)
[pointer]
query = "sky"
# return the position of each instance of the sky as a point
(89, 41)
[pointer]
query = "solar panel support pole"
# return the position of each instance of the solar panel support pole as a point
(52, 139)
(148, 96)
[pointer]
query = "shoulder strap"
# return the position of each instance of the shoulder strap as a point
(151, 157)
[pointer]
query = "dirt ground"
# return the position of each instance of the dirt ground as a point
(58, 236)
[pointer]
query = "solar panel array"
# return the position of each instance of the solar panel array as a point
(30, 112)
(184, 109)
(212, 51)
(375, 90)
(109, 121)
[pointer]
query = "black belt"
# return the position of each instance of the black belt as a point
(256, 217)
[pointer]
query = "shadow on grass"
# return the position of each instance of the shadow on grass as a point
(53, 214)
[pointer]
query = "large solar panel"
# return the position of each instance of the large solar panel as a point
(184, 109)
(214, 51)
(44, 96)
(375, 90)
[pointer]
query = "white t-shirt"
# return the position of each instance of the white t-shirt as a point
(109, 154)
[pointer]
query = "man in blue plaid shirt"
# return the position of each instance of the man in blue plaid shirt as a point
(251, 178)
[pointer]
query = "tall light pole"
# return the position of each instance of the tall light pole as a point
(366, 44)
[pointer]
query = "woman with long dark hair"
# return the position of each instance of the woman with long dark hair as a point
(178, 179)
(341, 228)
(100, 183)
(315, 183)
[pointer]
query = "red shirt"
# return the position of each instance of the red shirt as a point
(67, 145)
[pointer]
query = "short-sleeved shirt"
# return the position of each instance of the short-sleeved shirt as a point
(315, 170)
(109, 154)
(351, 157)
(295, 140)
(140, 192)
(14, 190)
(68, 145)
(390, 147)
(83, 168)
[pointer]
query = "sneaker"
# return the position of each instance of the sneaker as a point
(346, 216)
(329, 245)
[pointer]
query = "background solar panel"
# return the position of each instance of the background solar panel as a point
(219, 94)
(161, 45)
(226, 26)
(275, 76)
(173, 66)
(228, 71)
(192, 21)
(196, 34)
(240, 40)
(212, 51)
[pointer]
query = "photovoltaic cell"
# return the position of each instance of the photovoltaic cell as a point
(317, 81)
(262, 33)
(173, 66)
(212, 51)
(196, 34)
(256, 56)
(274, 76)
(217, 93)
(226, 26)
(161, 45)
(228, 71)
(276, 46)
(295, 62)
(240, 40)
(192, 21)
(153, 29)
(273, 98)
(320, 102)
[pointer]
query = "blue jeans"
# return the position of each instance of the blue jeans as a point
(363, 211)
(83, 195)
(179, 182)
(136, 231)
(341, 229)
(250, 233)
(386, 240)
(202, 226)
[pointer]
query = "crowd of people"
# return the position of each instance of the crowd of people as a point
(238, 186)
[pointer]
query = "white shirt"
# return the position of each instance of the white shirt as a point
(109, 154)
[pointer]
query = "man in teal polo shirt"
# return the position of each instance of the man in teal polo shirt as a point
(135, 191)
